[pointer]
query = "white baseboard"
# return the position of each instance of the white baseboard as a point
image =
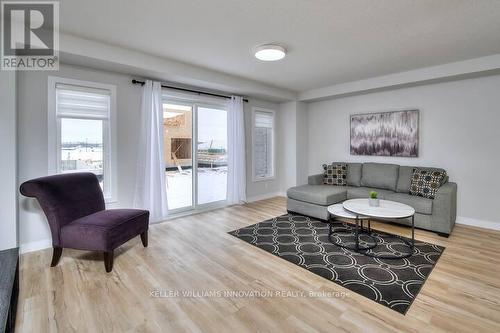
(478, 223)
(266, 196)
(36, 245)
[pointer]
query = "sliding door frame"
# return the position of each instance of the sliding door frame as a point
(195, 103)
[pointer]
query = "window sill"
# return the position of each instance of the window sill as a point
(190, 211)
(263, 179)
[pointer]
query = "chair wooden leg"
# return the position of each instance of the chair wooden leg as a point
(108, 261)
(56, 255)
(144, 238)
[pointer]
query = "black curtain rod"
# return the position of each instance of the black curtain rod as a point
(134, 81)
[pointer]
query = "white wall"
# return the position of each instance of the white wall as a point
(33, 146)
(288, 149)
(294, 138)
(302, 143)
(459, 131)
(8, 172)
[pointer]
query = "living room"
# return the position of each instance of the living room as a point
(187, 166)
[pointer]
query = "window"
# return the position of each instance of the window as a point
(81, 120)
(263, 144)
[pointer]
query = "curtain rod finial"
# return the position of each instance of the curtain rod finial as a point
(134, 81)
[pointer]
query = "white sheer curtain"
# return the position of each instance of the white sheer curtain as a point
(236, 162)
(150, 190)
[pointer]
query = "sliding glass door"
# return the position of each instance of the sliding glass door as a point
(195, 152)
(211, 154)
(178, 152)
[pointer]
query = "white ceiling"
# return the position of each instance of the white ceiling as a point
(329, 41)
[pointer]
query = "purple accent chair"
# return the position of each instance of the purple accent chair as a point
(75, 209)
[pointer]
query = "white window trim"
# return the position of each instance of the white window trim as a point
(54, 131)
(262, 179)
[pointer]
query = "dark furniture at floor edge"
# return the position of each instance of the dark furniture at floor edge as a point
(9, 288)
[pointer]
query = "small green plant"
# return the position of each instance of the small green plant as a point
(373, 195)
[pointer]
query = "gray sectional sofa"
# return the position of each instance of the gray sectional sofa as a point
(391, 181)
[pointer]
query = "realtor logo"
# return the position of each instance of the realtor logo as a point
(30, 35)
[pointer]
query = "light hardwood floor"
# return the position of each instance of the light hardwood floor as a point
(462, 294)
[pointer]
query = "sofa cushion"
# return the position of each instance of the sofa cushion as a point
(405, 174)
(354, 192)
(425, 183)
(421, 205)
(379, 175)
(335, 174)
(318, 194)
(354, 174)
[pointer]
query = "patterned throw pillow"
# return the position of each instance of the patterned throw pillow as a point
(335, 174)
(425, 183)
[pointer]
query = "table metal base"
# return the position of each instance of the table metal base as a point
(364, 249)
(356, 247)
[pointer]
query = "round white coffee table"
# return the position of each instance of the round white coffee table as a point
(360, 209)
(386, 210)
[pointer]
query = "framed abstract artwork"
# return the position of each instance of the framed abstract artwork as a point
(392, 133)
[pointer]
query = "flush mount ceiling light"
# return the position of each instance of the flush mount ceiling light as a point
(270, 52)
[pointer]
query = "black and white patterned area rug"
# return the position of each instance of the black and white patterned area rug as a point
(304, 241)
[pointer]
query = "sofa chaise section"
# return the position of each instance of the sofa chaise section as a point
(312, 199)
